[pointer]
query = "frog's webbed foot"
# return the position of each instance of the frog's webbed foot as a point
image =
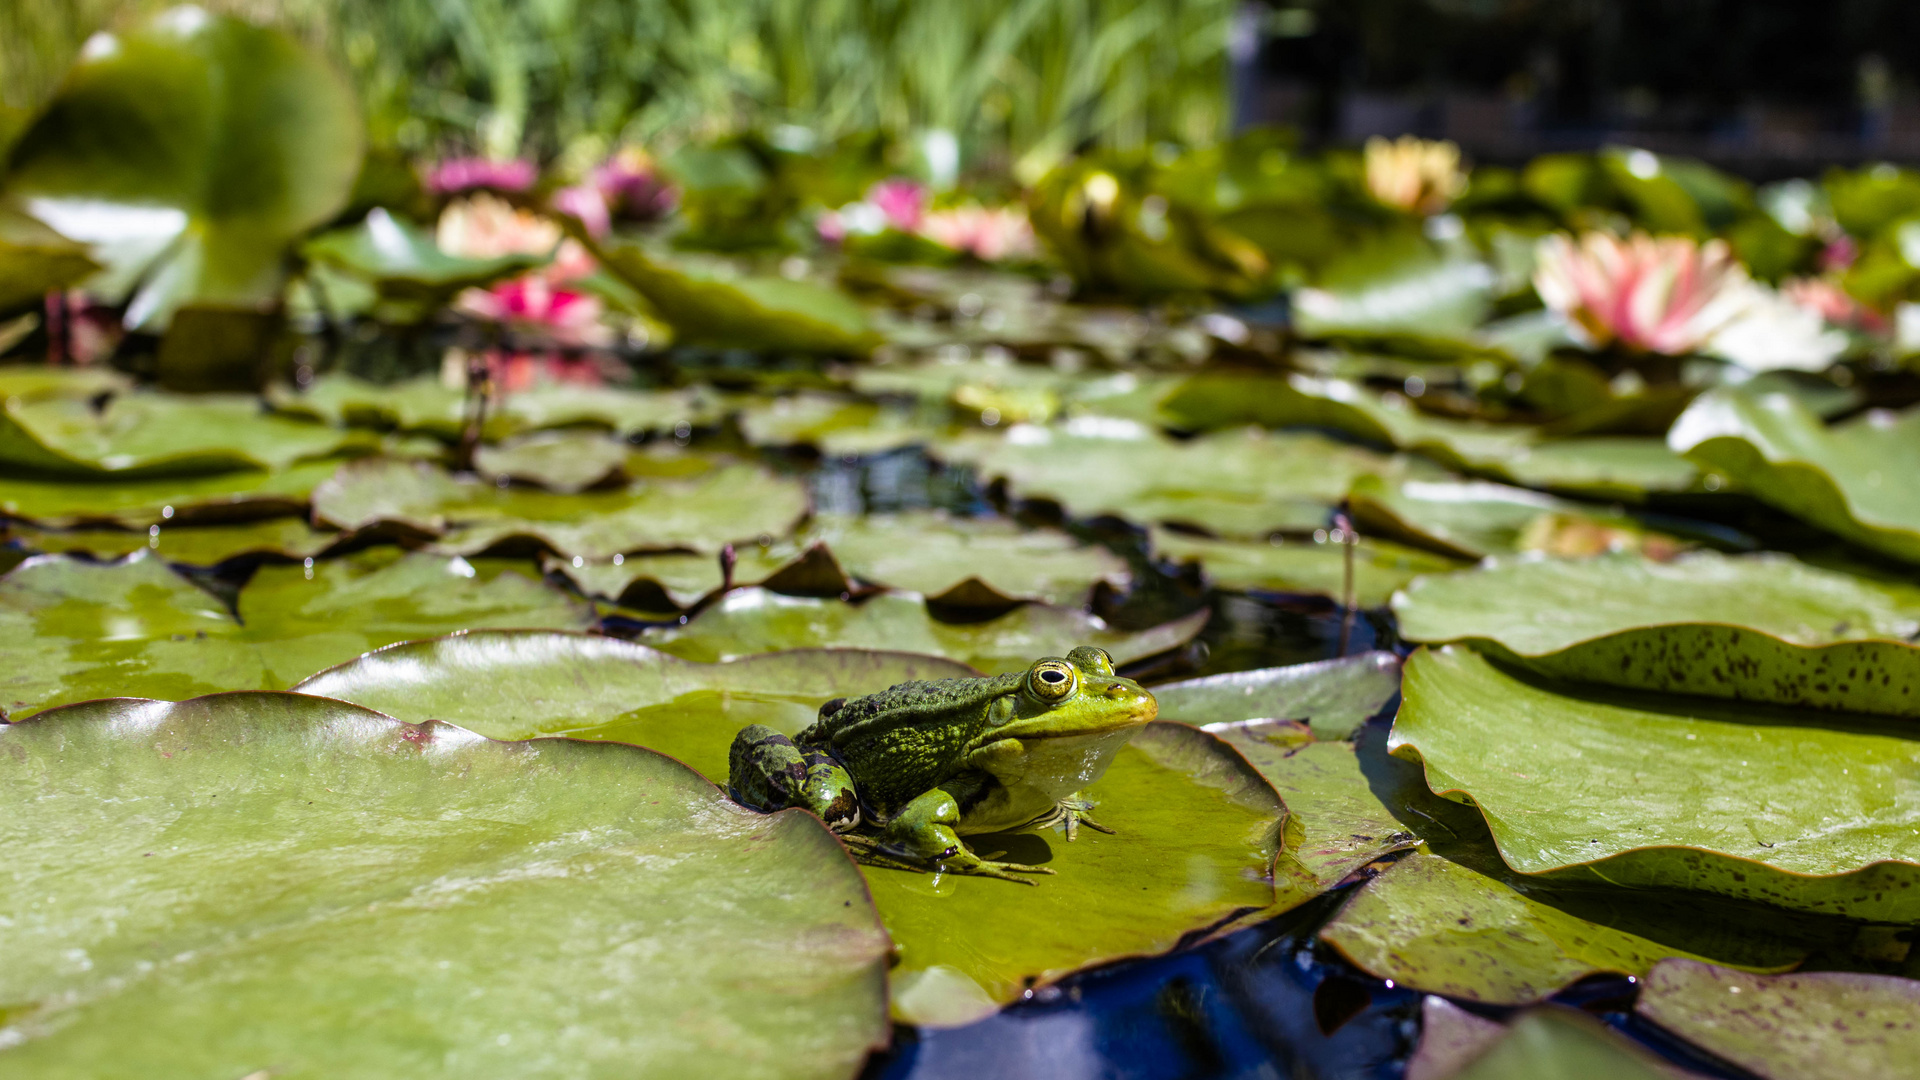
(1072, 811)
(872, 851)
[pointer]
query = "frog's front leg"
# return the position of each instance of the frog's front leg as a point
(923, 833)
(767, 772)
(1071, 810)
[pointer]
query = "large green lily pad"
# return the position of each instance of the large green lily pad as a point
(1433, 924)
(469, 515)
(1311, 567)
(1623, 467)
(1755, 627)
(1237, 483)
(706, 304)
(431, 407)
(34, 381)
(1195, 824)
(836, 425)
(1335, 824)
(80, 630)
(270, 882)
(1821, 1025)
(215, 141)
(1787, 807)
(144, 435)
(1853, 479)
(756, 620)
(141, 502)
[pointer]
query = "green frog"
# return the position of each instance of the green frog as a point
(903, 774)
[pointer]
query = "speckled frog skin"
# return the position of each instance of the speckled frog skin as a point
(903, 774)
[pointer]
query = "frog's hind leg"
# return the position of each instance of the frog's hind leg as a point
(1072, 811)
(922, 834)
(767, 772)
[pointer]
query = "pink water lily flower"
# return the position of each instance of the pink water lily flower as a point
(902, 202)
(1664, 295)
(1826, 298)
(533, 304)
(986, 233)
(456, 175)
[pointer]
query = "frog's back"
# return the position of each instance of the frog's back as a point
(909, 737)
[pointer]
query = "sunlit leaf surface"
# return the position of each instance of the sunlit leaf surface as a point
(259, 882)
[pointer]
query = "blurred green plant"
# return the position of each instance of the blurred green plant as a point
(998, 82)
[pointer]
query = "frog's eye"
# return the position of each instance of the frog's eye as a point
(1051, 680)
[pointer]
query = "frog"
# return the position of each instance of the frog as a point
(904, 775)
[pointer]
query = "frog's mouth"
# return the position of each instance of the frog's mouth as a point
(1132, 708)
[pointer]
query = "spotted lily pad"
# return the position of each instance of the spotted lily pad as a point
(1793, 808)
(1853, 479)
(141, 502)
(1311, 567)
(1821, 1025)
(1754, 627)
(156, 435)
(750, 621)
(437, 902)
(80, 630)
(1239, 483)
(468, 515)
(1433, 924)
(1195, 825)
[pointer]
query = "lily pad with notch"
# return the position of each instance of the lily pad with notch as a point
(1304, 566)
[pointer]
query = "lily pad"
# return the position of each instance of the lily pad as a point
(404, 264)
(1450, 1038)
(1433, 924)
(397, 924)
(1242, 483)
(469, 515)
(1760, 627)
(35, 260)
(429, 406)
(1476, 518)
(1565, 1045)
(1853, 479)
(562, 461)
(966, 562)
(1332, 696)
(1195, 824)
(1622, 467)
(77, 630)
(143, 435)
(308, 618)
(32, 382)
(706, 304)
(1408, 293)
(750, 621)
(1786, 807)
(835, 425)
(140, 502)
(1311, 567)
(1822, 1025)
(136, 629)
(220, 140)
(426, 405)
(205, 545)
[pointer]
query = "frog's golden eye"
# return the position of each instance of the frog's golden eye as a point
(1051, 680)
